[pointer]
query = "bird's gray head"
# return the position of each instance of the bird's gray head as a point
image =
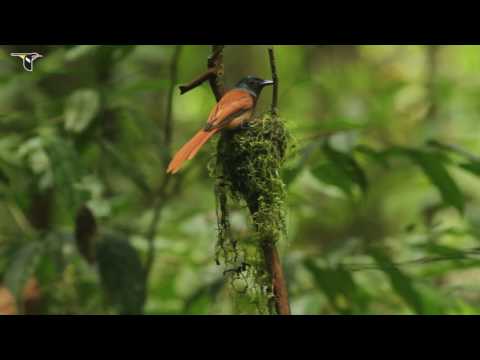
(253, 84)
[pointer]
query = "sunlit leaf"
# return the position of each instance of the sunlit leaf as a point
(472, 167)
(376, 156)
(436, 171)
(80, 109)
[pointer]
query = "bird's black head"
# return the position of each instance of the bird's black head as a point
(253, 84)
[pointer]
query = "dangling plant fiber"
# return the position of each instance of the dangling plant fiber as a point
(247, 171)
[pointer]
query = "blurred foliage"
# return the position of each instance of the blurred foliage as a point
(382, 194)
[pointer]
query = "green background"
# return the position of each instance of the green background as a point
(383, 204)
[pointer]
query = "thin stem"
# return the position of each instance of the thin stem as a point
(273, 68)
(162, 195)
(168, 116)
(465, 255)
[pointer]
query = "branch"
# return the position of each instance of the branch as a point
(216, 62)
(275, 79)
(279, 284)
(214, 74)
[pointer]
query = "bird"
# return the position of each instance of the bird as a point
(235, 108)
(28, 59)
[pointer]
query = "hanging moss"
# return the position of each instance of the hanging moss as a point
(247, 171)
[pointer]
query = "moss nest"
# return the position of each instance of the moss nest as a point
(247, 171)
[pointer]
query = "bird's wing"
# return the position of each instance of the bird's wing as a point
(233, 103)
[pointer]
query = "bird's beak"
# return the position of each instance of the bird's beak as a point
(267, 82)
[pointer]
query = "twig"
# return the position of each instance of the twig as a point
(432, 70)
(214, 74)
(270, 252)
(465, 255)
(161, 195)
(275, 79)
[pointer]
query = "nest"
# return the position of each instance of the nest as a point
(247, 171)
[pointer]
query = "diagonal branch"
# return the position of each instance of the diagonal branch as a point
(214, 74)
(197, 81)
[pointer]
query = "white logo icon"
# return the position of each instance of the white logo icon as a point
(27, 59)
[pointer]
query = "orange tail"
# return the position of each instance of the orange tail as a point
(189, 150)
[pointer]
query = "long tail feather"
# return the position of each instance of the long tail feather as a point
(189, 150)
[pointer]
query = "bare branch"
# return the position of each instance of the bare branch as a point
(214, 74)
(197, 81)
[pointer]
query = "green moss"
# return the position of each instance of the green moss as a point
(247, 171)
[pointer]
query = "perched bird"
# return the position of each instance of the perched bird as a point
(235, 108)
(27, 59)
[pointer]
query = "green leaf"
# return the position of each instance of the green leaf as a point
(376, 156)
(340, 288)
(122, 274)
(340, 170)
(472, 167)
(80, 109)
(67, 172)
(22, 267)
(347, 164)
(289, 174)
(330, 174)
(443, 250)
(432, 165)
(400, 282)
